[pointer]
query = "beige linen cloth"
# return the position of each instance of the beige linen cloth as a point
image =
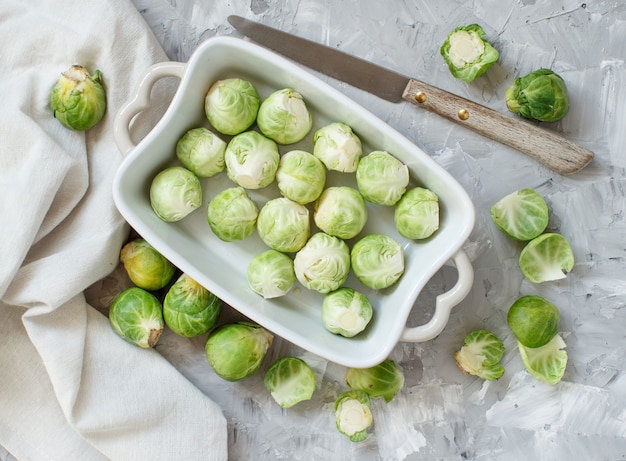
(70, 388)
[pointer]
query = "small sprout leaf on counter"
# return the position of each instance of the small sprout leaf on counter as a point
(380, 381)
(290, 380)
(481, 354)
(546, 258)
(522, 215)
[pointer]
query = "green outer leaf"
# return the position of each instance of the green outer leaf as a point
(546, 258)
(290, 380)
(522, 215)
(383, 380)
(546, 363)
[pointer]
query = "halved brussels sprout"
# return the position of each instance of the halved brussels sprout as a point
(341, 212)
(174, 193)
(251, 160)
(231, 105)
(522, 215)
(202, 152)
(382, 178)
(284, 225)
(301, 176)
(546, 258)
(137, 316)
(232, 215)
(533, 320)
(290, 380)
(338, 147)
(145, 266)
(323, 264)
(235, 351)
(271, 274)
(346, 312)
(353, 415)
(377, 261)
(284, 117)
(78, 99)
(383, 380)
(546, 363)
(189, 309)
(417, 214)
(467, 53)
(481, 354)
(541, 95)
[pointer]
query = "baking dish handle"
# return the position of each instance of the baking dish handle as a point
(444, 303)
(140, 101)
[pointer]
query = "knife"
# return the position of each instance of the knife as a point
(552, 150)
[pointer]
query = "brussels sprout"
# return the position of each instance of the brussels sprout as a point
(251, 160)
(231, 105)
(145, 266)
(346, 312)
(533, 320)
(353, 415)
(189, 309)
(202, 152)
(323, 264)
(417, 213)
(284, 225)
(467, 53)
(284, 117)
(338, 147)
(382, 178)
(545, 258)
(271, 274)
(174, 193)
(235, 351)
(540, 95)
(546, 363)
(300, 176)
(340, 211)
(137, 316)
(290, 380)
(481, 354)
(78, 99)
(377, 261)
(232, 214)
(383, 380)
(522, 215)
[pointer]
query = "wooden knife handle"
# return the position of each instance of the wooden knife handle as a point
(552, 150)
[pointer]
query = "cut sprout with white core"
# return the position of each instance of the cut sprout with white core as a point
(346, 312)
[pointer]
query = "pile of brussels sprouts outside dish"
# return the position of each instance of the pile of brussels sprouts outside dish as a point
(305, 230)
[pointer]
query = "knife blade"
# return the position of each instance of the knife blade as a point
(547, 147)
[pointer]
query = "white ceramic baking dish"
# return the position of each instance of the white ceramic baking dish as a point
(221, 267)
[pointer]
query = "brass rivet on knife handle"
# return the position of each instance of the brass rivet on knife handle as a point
(420, 97)
(547, 147)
